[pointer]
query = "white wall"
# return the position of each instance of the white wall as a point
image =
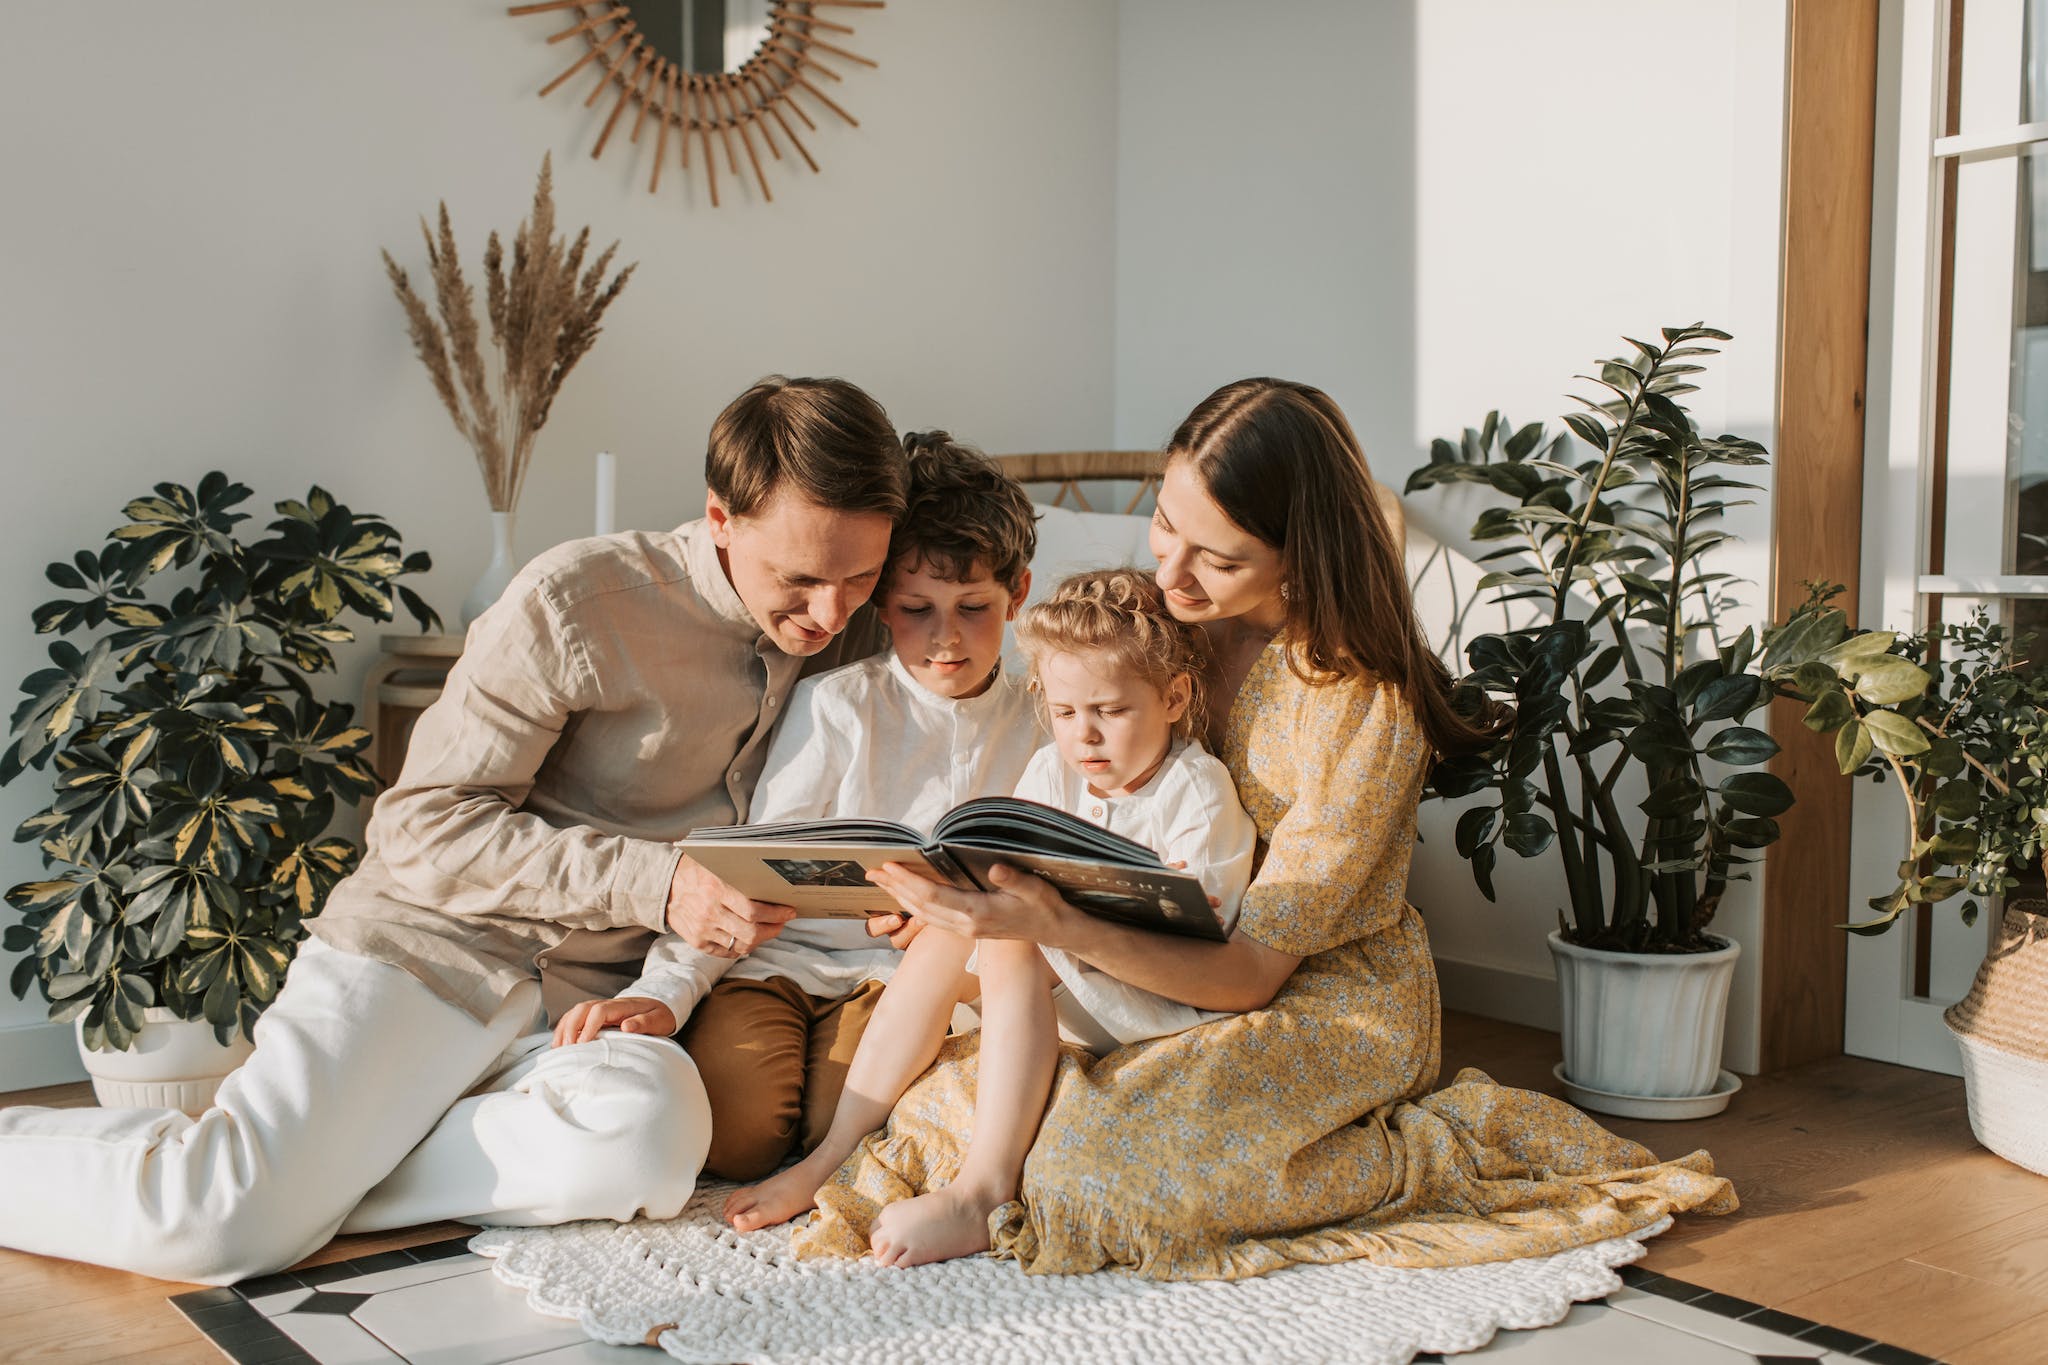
(1266, 211)
(1060, 224)
(189, 271)
(1435, 209)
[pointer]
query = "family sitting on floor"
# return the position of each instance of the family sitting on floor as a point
(1262, 709)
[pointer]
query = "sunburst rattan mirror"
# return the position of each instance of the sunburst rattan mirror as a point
(669, 59)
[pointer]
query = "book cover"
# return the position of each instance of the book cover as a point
(819, 867)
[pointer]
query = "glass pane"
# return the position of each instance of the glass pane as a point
(2027, 422)
(2034, 56)
(1989, 91)
(2027, 412)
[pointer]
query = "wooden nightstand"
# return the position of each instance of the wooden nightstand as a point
(401, 685)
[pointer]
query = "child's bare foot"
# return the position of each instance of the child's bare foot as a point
(780, 1197)
(934, 1227)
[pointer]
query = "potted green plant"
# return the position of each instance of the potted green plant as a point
(1628, 758)
(196, 772)
(1957, 720)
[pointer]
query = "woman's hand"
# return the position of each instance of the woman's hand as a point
(1021, 907)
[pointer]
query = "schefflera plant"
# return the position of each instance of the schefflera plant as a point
(1613, 678)
(1955, 717)
(196, 771)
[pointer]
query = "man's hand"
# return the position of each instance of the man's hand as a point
(713, 918)
(627, 1014)
(897, 927)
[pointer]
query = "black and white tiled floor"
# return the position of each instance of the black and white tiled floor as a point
(440, 1305)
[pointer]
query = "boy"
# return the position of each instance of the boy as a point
(907, 735)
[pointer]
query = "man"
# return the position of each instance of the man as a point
(621, 693)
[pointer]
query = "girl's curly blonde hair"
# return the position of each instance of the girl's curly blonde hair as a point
(1121, 613)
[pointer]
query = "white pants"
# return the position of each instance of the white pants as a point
(341, 1120)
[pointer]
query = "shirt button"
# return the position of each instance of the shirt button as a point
(771, 701)
(960, 759)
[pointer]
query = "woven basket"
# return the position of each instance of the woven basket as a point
(2002, 1028)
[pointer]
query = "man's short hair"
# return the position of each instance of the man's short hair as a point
(964, 511)
(826, 438)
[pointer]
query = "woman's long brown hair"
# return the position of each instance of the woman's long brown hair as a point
(1282, 462)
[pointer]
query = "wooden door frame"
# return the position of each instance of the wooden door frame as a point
(1817, 503)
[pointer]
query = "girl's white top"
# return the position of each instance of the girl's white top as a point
(864, 740)
(1188, 813)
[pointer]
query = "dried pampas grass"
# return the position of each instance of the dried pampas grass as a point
(544, 314)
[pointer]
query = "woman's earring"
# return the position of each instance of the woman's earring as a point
(1283, 592)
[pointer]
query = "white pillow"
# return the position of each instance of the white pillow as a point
(1070, 541)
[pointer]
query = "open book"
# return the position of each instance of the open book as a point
(819, 867)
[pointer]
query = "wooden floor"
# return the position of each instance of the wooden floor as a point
(1866, 1205)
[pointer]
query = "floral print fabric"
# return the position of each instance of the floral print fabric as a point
(1305, 1131)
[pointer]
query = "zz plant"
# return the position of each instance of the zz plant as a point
(1623, 671)
(196, 772)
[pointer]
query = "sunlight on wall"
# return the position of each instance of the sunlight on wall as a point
(1584, 171)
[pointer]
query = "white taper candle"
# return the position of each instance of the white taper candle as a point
(607, 492)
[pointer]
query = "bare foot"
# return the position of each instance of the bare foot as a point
(780, 1197)
(934, 1227)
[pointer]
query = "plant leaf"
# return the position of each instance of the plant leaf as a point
(1852, 746)
(1894, 734)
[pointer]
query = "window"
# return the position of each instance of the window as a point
(1957, 468)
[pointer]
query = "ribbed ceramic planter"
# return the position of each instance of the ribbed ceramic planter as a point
(1643, 1025)
(175, 1064)
(2002, 1028)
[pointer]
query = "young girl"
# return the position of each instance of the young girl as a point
(1119, 680)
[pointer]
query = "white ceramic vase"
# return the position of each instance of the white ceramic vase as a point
(1642, 1031)
(174, 1064)
(498, 574)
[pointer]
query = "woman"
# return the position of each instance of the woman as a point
(1301, 1128)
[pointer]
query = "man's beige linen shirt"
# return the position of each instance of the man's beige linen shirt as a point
(617, 696)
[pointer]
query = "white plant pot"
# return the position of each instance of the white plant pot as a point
(2008, 1099)
(1642, 1031)
(174, 1064)
(2002, 1028)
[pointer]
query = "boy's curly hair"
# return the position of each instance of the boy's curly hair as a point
(963, 511)
(1121, 613)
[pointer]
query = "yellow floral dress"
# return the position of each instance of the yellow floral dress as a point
(1305, 1131)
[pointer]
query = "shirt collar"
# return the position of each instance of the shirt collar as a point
(988, 700)
(700, 554)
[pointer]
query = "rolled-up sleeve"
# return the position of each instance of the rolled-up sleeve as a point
(452, 832)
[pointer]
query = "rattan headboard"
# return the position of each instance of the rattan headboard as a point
(1068, 468)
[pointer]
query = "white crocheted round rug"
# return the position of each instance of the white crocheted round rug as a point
(704, 1293)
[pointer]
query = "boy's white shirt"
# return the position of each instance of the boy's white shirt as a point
(1188, 813)
(864, 740)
